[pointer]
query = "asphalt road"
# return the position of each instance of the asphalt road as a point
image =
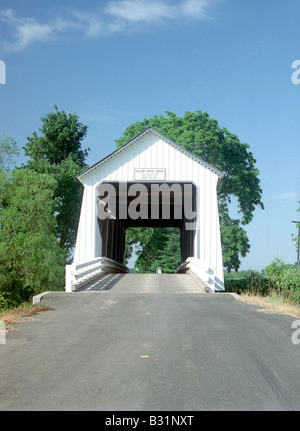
(154, 343)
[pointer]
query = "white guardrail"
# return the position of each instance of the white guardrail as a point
(83, 273)
(201, 273)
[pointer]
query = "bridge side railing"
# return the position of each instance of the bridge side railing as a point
(202, 274)
(78, 275)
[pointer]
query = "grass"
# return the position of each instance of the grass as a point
(22, 311)
(272, 303)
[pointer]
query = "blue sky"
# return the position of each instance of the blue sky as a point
(117, 62)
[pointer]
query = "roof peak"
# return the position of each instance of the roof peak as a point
(161, 136)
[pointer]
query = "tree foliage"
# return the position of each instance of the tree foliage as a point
(276, 267)
(159, 247)
(8, 150)
(296, 238)
(202, 136)
(31, 260)
(39, 207)
(58, 152)
(61, 136)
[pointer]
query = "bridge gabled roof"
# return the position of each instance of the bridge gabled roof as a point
(219, 173)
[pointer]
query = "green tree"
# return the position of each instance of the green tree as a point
(202, 136)
(8, 150)
(136, 236)
(31, 260)
(58, 152)
(61, 136)
(160, 248)
(235, 242)
(167, 255)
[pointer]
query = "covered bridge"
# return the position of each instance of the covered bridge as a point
(149, 181)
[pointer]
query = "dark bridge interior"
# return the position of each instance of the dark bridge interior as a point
(171, 207)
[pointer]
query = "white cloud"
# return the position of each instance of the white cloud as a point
(196, 8)
(114, 16)
(90, 23)
(140, 10)
(27, 30)
(158, 10)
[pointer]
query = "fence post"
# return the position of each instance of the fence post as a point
(2, 332)
(69, 278)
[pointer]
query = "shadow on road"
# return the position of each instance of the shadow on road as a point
(105, 282)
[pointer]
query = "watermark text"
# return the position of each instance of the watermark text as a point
(296, 334)
(2, 72)
(156, 202)
(296, 74)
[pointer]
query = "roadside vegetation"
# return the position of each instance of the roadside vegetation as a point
(39, 208)
(276, 288)
(23, 311)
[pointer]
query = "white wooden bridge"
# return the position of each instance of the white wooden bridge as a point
(149, 181)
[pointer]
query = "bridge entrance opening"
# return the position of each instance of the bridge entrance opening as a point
(123, 205)
(158, 252)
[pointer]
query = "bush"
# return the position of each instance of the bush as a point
(237, 285)
(276, 267)
(12, 292)
(256, 284)
(3, 303)
(287, 284)
(279, 277)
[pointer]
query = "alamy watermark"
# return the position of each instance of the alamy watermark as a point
(296, 334)
(296, 74)
(2, 332)
(156, 202)
(2, 72)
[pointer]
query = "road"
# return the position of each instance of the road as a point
(154, 343)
